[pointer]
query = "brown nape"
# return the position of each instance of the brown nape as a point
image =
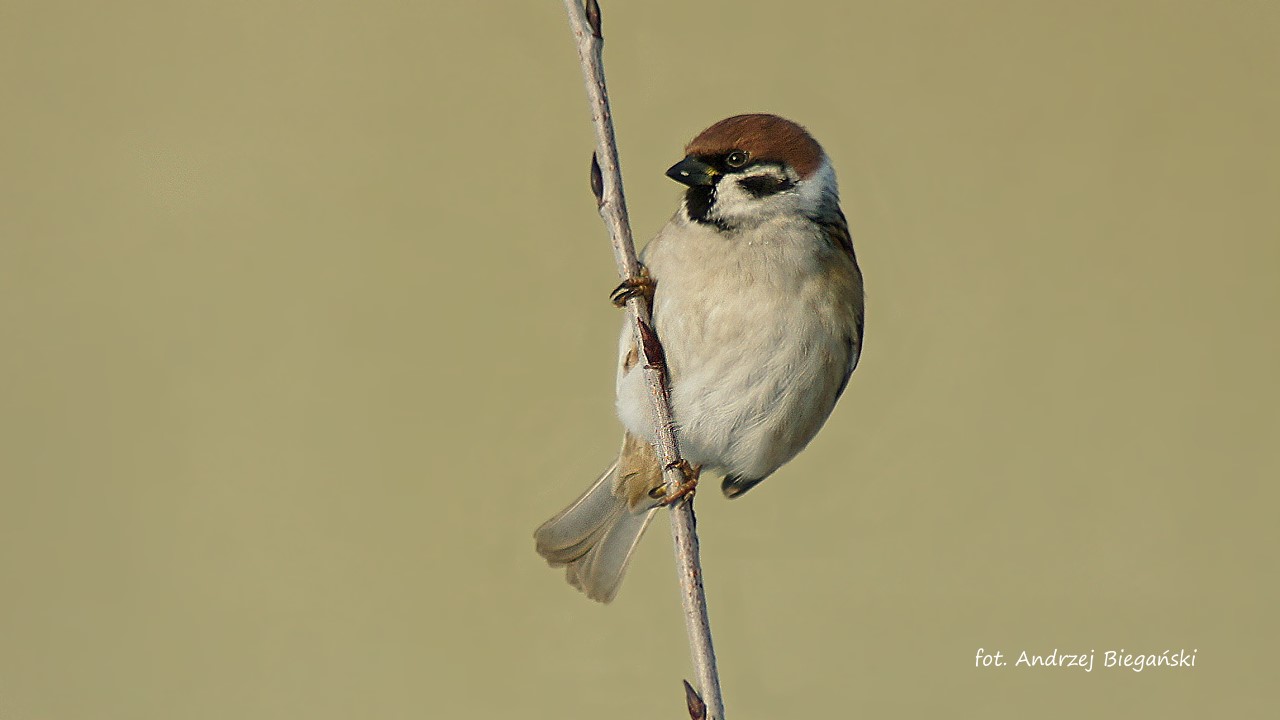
(765, 137)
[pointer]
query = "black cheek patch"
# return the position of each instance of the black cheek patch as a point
(765, 185)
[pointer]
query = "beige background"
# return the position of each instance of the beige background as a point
(304, 331)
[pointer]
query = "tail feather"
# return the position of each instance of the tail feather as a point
(593, 538)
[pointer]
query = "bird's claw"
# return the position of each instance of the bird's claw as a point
(685, 489)
(640, 286)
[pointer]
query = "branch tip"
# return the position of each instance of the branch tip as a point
(697, 708)
(593, 18)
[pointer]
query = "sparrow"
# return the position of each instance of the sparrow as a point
(757, 298)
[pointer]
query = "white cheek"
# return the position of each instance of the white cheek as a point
(823, 183)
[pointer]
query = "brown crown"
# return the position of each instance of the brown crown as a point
(765, 137)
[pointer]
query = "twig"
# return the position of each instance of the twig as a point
(606, 183)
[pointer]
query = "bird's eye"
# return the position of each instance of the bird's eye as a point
(736, 159)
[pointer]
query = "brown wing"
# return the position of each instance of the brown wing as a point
(836, 229)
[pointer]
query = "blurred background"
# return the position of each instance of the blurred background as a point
(305, 328)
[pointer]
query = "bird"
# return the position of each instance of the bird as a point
(757, 298)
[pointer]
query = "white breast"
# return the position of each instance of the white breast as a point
(756, 343)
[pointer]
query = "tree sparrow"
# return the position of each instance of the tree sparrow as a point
(757, 298)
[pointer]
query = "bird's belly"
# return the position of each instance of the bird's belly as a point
(754, 374)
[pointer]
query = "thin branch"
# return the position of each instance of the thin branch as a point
(606, 182)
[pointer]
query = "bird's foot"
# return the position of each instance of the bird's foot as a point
(686, 487)
(640, 286)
